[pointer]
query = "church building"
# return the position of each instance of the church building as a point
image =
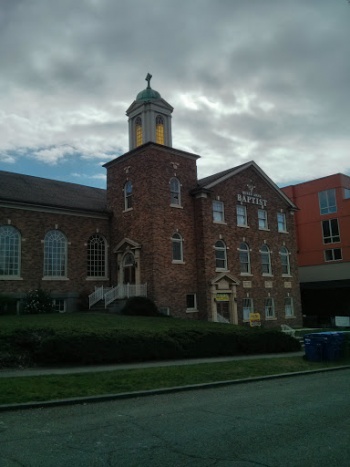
(219, 248)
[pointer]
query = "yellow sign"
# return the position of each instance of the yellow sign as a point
(254, 319)
(222, 297)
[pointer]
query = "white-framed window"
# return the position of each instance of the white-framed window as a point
(59, 305)
(191, 302)
(281, 222)
(242, 219)
(328, 202)
(175, 192)
(138, 131)
(128, 195)
(262, 219)
(244, 258)
(10, 252)
(265, 256)
(177, 247)
(218, 211)
(220, 255)
(288, 307)
(55, 254)
(269, 306)
(159, 129)
(96, 256)
(248, 308)
(333, 254)
(330, 229)
(285, 263)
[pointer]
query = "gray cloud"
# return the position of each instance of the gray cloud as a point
(249, 80)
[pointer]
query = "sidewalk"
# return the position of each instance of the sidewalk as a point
(13, 373)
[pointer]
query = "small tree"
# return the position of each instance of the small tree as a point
(38, 301)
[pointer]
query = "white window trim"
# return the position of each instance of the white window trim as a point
(195, 308)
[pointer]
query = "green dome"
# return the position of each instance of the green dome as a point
(147, 94)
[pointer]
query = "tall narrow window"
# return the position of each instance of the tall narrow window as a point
(159, 130)
(55, 254)
(330, 230)
(128, 195)
(220, 255)
(242, 216)
(177, 246)
(288, 307)
(9, 252)
(262, 219)
(281, 222)
(284, 256)
(175, 192)
(265, 255)
(96, 256)
(327, 200)
(269, 308)
(244, 258)
(218, 211)
(247, 308)
(138, 131)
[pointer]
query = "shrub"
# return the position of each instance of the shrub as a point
(140, 306)
(38, 301)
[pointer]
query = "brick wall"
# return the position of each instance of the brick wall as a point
(33, 225)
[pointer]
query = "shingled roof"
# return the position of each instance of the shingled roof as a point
(42, 192)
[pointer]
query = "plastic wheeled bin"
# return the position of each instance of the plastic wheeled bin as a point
(324, 346)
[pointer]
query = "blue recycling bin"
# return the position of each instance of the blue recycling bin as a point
(324, 346)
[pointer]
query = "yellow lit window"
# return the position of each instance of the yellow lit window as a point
(138, 131)
(159, 130)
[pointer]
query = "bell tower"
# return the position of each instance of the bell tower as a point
(149, 118)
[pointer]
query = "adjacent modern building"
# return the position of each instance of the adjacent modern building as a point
(323, 237)
(217, 249)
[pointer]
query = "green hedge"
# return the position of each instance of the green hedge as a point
(48, 347)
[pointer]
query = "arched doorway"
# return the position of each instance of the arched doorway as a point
(129, 266)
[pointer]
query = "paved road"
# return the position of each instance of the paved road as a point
(299, 421)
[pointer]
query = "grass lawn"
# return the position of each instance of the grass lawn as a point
(42, 388)
(101, 322)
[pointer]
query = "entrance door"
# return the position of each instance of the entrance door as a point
(223, 309)
(129, 269)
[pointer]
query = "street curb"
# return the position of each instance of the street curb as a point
(154, 392)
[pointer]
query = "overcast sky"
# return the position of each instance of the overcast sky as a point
(263, 80)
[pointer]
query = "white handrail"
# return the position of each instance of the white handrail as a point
(95, 296)
(125, 291)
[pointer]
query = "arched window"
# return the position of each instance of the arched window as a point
(55, 254)
(265, 255)
(159, 130)
(284, 255)
(129, 269)
(220, 255)
(244, 258)
(177, 245)
(96, 256)
(10, 251)
(175, 192)
(128, 195)
(138, 131)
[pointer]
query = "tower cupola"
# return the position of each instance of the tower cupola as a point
(149, 118)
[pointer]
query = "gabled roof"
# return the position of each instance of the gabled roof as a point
(208, 183)
(42, 192)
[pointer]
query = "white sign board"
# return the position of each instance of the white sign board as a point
(342, 321)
